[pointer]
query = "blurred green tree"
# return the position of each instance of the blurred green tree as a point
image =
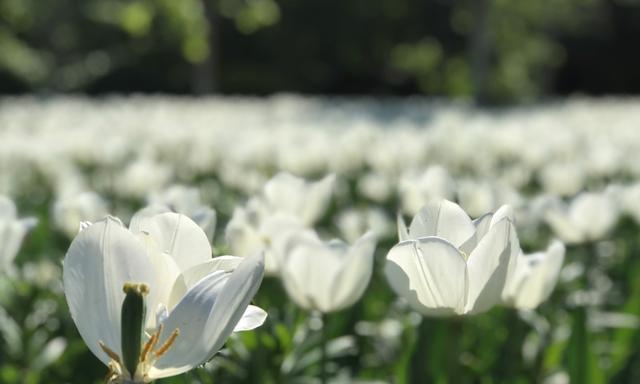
(489, 50)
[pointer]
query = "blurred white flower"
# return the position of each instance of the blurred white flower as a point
(326, 276)
(12, 232)
(446, 264)
(142, 175)
(563, 179)
(375, 186)
(72, 209)
(535, 277)
(478, 197)
(588, 217)
(164, 263)
(353, 223)
(416, 189)
(293, 195)
(286, 205)
(627, 198)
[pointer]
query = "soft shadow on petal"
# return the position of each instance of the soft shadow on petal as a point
(191, 276)
(488, 265)
(354, 275)
(430, 273)
(179, 236)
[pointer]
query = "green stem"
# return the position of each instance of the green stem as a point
(418, 369)
(323, 350)
(453, 350)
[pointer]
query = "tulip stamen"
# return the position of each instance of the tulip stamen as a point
(150, 344)
(114, 356)
(167, 344)
(114, 373)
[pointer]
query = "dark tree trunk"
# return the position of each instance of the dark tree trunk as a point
(480, 49)
(204, 77)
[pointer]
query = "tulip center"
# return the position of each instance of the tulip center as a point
(136, 359)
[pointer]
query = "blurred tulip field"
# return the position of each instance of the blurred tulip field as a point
(375, 240)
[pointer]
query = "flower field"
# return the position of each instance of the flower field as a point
(315, 240)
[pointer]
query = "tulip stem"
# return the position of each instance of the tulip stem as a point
(323, 350)
(453, 350)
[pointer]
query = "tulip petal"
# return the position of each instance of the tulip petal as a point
(207, 315)
(481, 225)
(488, 265)
(543, 275)
(403, 232)
(305, 254)
(191, 276)
(442, 219)
(177, 235)
(252, 318)
(354, 275)
(430, 273)
(166, 271)
(206, 218)
(315, 203)
(100, 260)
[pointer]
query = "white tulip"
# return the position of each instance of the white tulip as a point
(70, 210)
(286, 205)
(251, 230)
(446, 264)
(588, 217)
(12, 232)
(353, 223)
(326, 276)
(293, 195)
(141, 175)
(535, 277)
(418, 188)
(186, 200)
(163, 263)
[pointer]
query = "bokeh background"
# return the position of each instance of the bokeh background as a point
(493, 51)
(482, 102)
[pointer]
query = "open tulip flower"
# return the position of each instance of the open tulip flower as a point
(447, 264)
(535, 277)
(150, 302)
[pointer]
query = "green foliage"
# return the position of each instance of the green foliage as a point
(500, 49)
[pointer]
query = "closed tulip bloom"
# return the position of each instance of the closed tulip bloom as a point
(535, 277)
(326, 276)
(447, 264)
(150, 302)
